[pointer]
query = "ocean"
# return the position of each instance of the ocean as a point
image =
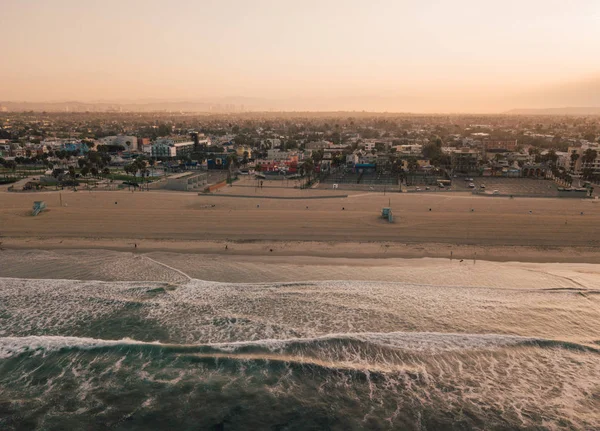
(317, 355)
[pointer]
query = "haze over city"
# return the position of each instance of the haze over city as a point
(300, 215)
(431, 56)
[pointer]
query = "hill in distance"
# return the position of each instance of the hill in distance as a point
(577, 111)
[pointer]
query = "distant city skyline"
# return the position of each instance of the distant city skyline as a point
(395, 56)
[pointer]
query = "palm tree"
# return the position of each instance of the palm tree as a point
(412, 165)
(589, 156)
(232, 161)
(151, 163)
(308, 168)
(574, 158)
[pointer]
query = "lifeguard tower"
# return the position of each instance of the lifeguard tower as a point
(38, 207)
(386, 212)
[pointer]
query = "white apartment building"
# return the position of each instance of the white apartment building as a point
(278, 155)
(580, 164)
(270, 143)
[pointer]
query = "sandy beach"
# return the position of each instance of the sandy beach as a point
(426, 225)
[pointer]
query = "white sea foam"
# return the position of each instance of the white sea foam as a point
(410, 342)
(200, 312)
(12, 346)
(491, 350)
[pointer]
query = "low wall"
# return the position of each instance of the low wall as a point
(214, 187)
(277, 197)
(187, 183)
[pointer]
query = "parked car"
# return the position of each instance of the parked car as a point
(471, 185)
(482, 186)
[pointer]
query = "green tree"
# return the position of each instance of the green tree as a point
(412, 164)
(433, 152)
(164, 130)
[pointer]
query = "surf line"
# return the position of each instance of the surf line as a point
(169, 267)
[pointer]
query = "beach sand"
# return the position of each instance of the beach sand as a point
(490, 228)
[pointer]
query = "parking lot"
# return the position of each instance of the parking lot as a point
(508, 186)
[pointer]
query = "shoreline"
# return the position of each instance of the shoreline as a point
(274, 249)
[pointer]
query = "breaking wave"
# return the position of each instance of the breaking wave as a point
(429, 343)
(318, 355)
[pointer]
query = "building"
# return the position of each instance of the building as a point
(537, 170)
(142, 141)
(369, 146)
(73, 146)
(160, 149)
(505, 146)
(409, 150)
(270, 143)
(318, 145)
(181, 149)
(576, 160)
(243, 149)
(200, 140)
(278, 155)
(129, 143)
(373, 144)
(187, 181)
(464, 161)
(490, 148)
(290, 166)
(168, 147)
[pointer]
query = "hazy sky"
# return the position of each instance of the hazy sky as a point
(417, 55)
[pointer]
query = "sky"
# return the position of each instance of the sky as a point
(377, 55)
